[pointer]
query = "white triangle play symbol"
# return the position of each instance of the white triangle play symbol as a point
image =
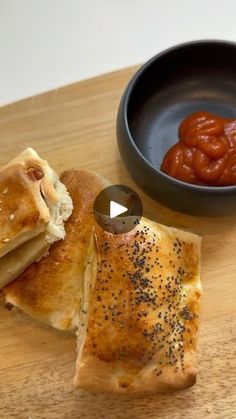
(116, 209)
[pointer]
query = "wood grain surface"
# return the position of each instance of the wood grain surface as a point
(75, 127)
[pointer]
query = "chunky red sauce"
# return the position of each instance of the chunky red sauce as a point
(206, 151)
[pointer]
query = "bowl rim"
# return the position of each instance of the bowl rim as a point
(126, 99)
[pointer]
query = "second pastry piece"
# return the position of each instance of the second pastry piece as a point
(140, 311)
(51, 290)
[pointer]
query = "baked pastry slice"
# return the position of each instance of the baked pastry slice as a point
(51, 290)
(140, 311)
(33, 203)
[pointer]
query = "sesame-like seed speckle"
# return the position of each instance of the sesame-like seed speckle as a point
(147, 298)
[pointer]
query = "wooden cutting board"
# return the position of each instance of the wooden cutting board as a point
(75, 127)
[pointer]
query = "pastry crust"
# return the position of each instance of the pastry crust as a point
(24, 213)
(14, 263)
(51, 290)
(32, 201)
(140, 311)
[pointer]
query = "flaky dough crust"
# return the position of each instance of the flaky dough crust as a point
(34, 205)
(51, 290)
(140, 311)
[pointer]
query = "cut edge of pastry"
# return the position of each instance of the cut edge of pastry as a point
(59, 212)
(82, 323)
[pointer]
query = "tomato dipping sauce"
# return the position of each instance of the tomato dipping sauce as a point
(206, 151)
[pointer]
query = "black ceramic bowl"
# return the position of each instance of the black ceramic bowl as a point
(197, 76)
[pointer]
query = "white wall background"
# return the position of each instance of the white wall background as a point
(45, 44)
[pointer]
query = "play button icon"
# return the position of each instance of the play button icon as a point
(117, 209)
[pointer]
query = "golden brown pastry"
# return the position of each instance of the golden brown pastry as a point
(32, 201)
(16, 261)
(140, 311)
(51, 290)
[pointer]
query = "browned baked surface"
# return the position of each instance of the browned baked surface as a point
(141, 312)
(23, 213)
(51, 290)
